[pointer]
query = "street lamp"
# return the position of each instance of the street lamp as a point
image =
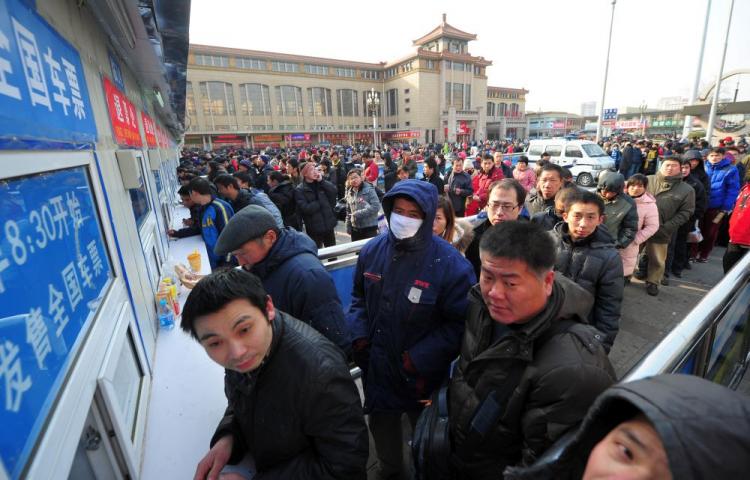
(606, 73)
(373, 102)
(643, 108)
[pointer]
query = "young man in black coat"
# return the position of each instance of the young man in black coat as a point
(315, 199)
(293, 408)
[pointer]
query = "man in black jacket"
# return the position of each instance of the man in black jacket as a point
(459, 187)
(315, 199)
(529, 366)
(432, 175)
(678, 254)
(293, 408)
(586, 254)
(192, 225)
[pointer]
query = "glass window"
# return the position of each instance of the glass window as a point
(286, 67)
(288, 100)
(391, 102)
(211, 60)
(490, 109)
(502, 109)
(345, 72)
(316, 69)
(431, 64)
(535, 150)
(189, 100)
(348, 103)
(217, 98)
(573, 151)
(255, 100)
(319, 101)
(554, 150)
(250, 63)
(594, 150)
(458, 66)
(139, 199)
(457, 99)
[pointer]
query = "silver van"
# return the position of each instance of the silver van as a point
(585, 159)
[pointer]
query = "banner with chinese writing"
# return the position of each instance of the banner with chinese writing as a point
(43, 92)
(54, 269)
(123, 117)
(149, 128)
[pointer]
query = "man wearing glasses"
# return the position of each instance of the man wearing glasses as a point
(504, 204)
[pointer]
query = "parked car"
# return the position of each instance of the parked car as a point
(585, 159)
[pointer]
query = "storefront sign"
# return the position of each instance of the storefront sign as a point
(114, 66)
(337, 137)
(122, 115)
(150, 129)
(228, 139)
(630, 124)
(267, 138)
(54, 268)
(43, 93)
(403, 134)
(463, 127)
(299, 137)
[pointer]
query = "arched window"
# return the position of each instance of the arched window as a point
(288, 100)
(319, 101)
(255, 100)
(348, 102)
(217, 98)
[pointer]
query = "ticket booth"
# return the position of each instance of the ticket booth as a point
(84, 210)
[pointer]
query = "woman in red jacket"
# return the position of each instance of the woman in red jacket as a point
(739, 229)
(481, 183)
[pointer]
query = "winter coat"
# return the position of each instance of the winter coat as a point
(315, 205)
(628, 154)
(616, 155)
(389, 176)
(527, 178)
(340, 169)
(257, 197)
(564, 369)
(362, 207)
(371, 172)
(282, 195)
(260, 176)
(701, 198)
(195, 224)
(299, 285)
(437, 181)
(547, 219)
(299, 414)
(411, 167)
(463, 182)
(481, 184)
(594, 264)
(214, 217)
(648, 224)
(472, 251)
(704, 429)
(725, 184)
(536, 203)
(408, 300)
(675, 200)
(739, 222)
(463, 234)
(621, 214)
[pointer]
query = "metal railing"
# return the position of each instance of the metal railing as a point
(712, 341)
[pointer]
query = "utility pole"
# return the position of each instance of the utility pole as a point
(717, 87)
(694, 93)
(606, 73)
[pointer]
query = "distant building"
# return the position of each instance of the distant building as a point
(553, 124)
(671, 103)
(588, 109)
(439, 92)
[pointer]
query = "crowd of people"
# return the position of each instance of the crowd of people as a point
(494, 290)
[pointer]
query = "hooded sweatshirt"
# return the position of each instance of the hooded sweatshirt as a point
(704, 428)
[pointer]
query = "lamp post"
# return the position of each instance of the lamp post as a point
(373, 102)
(643, 108)
(606, 73)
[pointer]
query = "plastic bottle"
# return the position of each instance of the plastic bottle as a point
(166, 317)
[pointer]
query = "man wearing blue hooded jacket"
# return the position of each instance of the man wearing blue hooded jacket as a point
(407, 315)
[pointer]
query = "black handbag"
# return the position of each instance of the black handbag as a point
(340, 210)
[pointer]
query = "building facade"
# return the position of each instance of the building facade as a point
(506, 113)
(249, 98)
(553, 124)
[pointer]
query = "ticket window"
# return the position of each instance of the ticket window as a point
(67, 327)
(144, 210)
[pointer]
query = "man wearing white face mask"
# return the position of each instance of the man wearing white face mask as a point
(407, 315)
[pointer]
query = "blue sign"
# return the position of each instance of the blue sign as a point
(610, 114)
(114, 65)
(43, 93)
(54, 270)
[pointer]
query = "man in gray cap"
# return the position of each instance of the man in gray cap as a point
(287, 263)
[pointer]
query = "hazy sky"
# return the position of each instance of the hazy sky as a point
(556, 49)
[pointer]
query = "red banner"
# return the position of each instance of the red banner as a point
(463, 127)
(403, 134)
(123, 117)
(149, 128)
(337, 136)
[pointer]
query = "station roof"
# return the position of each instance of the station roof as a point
(445, 30)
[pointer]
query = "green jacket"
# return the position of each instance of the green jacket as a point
(675, 201)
